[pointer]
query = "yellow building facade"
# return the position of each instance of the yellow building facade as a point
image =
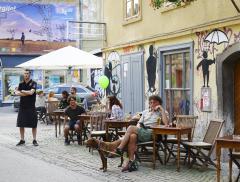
(171, 52)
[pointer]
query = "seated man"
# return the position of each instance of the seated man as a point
(142, 132)
(72, 112)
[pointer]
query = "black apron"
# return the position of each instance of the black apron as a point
(27, 115)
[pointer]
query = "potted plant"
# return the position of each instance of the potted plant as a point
(159, 3)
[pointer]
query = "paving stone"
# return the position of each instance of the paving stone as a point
(78, 159)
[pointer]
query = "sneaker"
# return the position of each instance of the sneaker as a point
(20, 143)
(35, 143)
(67, 142)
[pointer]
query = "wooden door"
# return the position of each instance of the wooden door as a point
(237, 97)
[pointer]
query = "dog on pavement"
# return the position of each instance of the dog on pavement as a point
(104, 149)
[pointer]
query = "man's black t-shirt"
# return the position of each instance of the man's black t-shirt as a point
(28, 101)
(73, 113)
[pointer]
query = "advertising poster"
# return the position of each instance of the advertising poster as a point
(36, 26)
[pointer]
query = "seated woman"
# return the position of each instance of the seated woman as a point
(72, 112)
(51, 96)
(141, 132)
(115, 107)
(64, 100)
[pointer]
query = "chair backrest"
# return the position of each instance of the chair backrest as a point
(95, 122)
(186, 121)
(213, 131)
(51, 106)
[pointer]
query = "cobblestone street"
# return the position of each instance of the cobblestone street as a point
(78, 159)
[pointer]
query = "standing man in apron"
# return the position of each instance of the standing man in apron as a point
(27, 116)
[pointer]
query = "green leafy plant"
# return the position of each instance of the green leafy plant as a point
(156, 4)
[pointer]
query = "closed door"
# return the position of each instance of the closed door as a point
(132, 82)
(237, 98)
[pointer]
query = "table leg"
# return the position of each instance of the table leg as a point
(107, 134)
(230, 165)
(218, 155)
(188, 148)
(81, 131)
(154, 151)
(56, 123)
(178, 151)
(59, 125)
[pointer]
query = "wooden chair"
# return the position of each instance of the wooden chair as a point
(181, 121)
(234, 158)
(201, 151)
(97, 126)
(145, 150)
(50, 107)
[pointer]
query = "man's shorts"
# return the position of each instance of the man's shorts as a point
(144, 135)
(71, 124)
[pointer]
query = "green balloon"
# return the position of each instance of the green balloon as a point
(103, 81)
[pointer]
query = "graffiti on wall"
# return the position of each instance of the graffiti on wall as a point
(113, 71)
(95, 74)
(201, 45)
(114, 74)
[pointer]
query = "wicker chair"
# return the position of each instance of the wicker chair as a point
(182, 121)
(201, 151)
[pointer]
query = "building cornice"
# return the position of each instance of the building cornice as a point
(178, 33)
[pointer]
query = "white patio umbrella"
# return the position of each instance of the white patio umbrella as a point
(64, 58)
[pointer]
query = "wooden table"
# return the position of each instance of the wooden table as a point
(166, 130)
(57, 114)
(225, 142)
(116, 124)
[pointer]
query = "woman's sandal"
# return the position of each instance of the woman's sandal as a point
(119, 152)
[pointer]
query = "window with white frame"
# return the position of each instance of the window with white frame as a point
(132, 11)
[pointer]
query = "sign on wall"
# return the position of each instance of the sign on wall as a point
(206, 97)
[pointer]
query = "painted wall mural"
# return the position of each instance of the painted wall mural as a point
(95, 74)
(35, 27)
(151, 65)
(113, 72)
(205, 63)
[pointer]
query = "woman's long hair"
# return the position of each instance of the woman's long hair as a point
(114, 101)
(51, 94)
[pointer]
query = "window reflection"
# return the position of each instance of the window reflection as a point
(177, 82)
